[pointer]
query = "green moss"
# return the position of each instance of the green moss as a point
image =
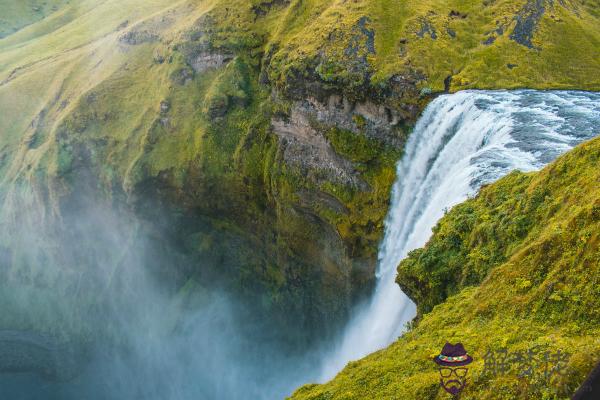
(426, 37)
(362, 223)
(485, 232)
(489, 283)
(355, 147)
(74, 95)
(230, 88)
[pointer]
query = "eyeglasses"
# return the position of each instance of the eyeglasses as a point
(459, 372)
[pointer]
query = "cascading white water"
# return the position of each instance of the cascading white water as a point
(218, 351)
(461, 142)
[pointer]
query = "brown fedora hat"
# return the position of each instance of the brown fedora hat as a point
(453, 355)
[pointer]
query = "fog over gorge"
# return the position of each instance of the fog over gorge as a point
(94, 318)
(301, 200)
(103, 306)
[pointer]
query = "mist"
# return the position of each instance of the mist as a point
(95, 306)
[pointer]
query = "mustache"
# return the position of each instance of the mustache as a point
(453, 386)
(453, 381)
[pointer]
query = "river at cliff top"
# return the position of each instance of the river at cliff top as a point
(461, 142)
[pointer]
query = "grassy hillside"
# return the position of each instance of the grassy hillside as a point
(516, 267)
(273, 125)
(468, 44)
(19, 14)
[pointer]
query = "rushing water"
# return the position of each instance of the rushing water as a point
(220, 350)
(461, 142)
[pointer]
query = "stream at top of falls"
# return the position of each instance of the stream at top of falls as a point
(461, 142)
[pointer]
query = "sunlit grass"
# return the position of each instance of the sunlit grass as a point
(520, 264)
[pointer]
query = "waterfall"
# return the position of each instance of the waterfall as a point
(461, 142)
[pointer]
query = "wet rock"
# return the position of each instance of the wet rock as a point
(590, 388)
(447, 83)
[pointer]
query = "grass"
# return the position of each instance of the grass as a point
(464, 56)
(68, 82)
(515, 267)
(77, 43)
(18, 14)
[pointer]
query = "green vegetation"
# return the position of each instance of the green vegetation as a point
(515, 267)
(172, 103)
(470, 42)
(18, 14)
(362, 224)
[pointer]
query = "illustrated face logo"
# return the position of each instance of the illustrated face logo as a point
(453, 380)
(452, 364)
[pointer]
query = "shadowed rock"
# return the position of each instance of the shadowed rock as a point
(590, 389)
(527, 21)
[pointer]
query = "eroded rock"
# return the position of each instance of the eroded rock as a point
(307, 149)
(209, 60)
(376, 121)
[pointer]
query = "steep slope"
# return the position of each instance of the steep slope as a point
(516, 267)
(266, 132)
(436, 44)
(18, 14)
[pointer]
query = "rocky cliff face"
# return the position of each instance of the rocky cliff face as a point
(265, 133)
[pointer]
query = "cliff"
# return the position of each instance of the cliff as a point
(513, 269)
(264, 133)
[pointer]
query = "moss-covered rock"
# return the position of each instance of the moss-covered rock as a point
(514, 268)
(266, 131)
